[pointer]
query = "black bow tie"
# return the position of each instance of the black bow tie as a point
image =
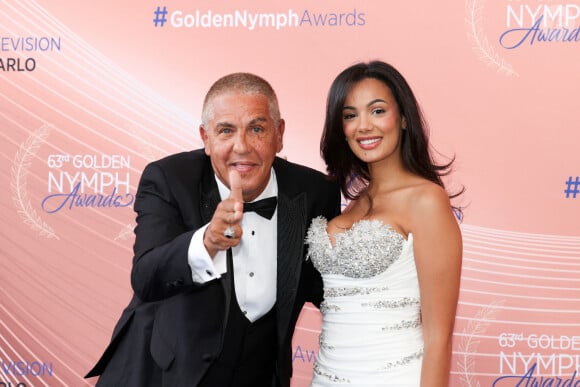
(264, 207)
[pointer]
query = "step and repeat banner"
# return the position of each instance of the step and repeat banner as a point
(90, 92)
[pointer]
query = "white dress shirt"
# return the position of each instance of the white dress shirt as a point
(254, 258)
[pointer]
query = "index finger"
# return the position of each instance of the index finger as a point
(236, 186)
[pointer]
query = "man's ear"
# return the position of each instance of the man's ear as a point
(280, 135)
(203, 135)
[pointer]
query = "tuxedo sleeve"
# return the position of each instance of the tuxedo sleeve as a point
(160, 265)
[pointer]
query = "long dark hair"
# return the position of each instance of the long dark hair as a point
(350, 172)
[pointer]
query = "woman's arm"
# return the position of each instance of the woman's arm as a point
(438, 254)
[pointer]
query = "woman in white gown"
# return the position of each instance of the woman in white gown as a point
(391, 261)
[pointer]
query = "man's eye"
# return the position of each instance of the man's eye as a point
(257, 129)
(226, 131)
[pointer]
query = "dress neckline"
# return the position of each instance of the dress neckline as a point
(357, 225)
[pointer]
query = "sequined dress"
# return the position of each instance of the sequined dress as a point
(371, 328)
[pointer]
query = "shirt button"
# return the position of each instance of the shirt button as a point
(245, 312)
(253, 232)
(251, 274)
(209, 272)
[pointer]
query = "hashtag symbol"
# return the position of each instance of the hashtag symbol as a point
(572, 187)
(160, 16)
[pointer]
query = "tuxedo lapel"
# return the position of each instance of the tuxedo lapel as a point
(291, 221)
(209, 193)
(209, 199)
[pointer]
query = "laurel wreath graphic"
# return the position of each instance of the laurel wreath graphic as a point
(18, 186)
(126, 232)
(470, 342)
(481, 45)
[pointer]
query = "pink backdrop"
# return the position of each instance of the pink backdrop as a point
(91, 92)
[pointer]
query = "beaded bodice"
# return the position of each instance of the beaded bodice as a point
(363, 251)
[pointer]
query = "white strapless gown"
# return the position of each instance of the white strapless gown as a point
(371, 325)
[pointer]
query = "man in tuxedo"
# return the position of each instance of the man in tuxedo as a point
(219, 272)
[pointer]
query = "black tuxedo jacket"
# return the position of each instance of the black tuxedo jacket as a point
(172, 330)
